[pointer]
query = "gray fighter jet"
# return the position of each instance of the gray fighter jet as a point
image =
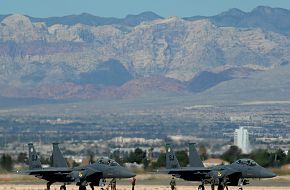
(90, 174)
(235, 174)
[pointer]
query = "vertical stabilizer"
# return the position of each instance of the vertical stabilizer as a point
(171, 160)
(57, 157)
(194, 159)
(33, 160)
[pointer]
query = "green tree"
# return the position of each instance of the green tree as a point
(116, 155)
(6, 162)
(22, 157)
(161, 161)
(46, 161)
(138, 155)
(145, 162)
(287, 159)
(280, 157)
(232, 154)
(182, 158)
(262, 157)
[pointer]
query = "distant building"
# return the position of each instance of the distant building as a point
(240, 118)
(241, 139)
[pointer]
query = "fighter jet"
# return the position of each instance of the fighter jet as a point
(90, 174)
(235, 174)
(195, 173)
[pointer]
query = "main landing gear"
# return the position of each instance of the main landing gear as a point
(222, 187)
(82, 188)
(92, 186)
(48, 185)
(243, 182)
(63, 187)
(201, 187)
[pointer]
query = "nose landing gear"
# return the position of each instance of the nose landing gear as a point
(200, 187)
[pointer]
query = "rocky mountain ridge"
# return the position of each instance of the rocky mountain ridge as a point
(89, 57)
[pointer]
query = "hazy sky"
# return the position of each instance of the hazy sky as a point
(121, 8)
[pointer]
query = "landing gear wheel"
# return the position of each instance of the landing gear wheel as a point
(220, 187)
(240, 188)
(48, 185)
(82, 188)
(92, 187)
(200, 187)
(62, 187)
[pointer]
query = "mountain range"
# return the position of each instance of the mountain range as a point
(237, 54)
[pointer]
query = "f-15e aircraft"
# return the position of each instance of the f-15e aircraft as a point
(235, 174)
(83, 175)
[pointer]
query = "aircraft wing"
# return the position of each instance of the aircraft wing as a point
(41, 171)
(188, 173)
(189, 170)
(64, 174)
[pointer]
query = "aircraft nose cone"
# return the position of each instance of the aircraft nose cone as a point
(127, 174)
(268, 174)
(271, 174)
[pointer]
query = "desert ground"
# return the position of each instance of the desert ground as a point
(144, 182)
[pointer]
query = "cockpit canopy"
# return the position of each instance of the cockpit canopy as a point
(247, 162)
(107, 161)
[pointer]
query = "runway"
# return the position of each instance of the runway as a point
(144, 182)
(137, 187)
